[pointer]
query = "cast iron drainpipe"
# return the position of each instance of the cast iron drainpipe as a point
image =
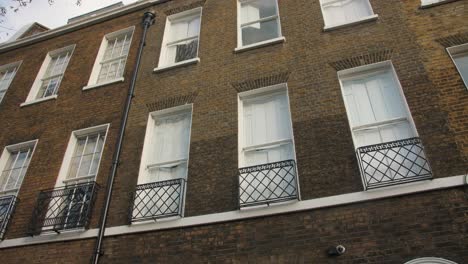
(148, 20)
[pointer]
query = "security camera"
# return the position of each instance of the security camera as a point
(336, 251)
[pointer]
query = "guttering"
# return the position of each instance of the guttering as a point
(7, 46)
(148, 20)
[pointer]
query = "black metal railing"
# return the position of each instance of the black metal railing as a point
(64, 208)
(7, 207)
(157, 200)
(268, 183)
(393, 163)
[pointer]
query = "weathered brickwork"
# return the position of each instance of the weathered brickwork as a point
(390, 231)
(393, 230)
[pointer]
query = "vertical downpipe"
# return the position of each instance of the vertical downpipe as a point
(148, 20)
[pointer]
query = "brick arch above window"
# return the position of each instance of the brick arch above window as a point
(430, 261)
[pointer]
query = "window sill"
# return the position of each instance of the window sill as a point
(360, 21)
(177, 65)
(260, 44)
(425, 6)
(48, 98)
(93, 86)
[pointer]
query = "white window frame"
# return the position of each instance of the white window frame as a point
(362, 71)
(265, 91)
(153, 116)
(329, 27)
(240, 46)
(32, 96)
(163, 64)
(92, 82)
(6, 155)
(15, 66)
(66, 163)
(456, 51)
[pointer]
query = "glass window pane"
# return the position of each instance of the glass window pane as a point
(85, 165)
(87, 156)
(261, 31)
(182, 51)
(255, 10)
(462, 65)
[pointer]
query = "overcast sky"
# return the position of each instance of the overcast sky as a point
(51, 16)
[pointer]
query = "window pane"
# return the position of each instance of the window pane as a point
(49, 87)
(184, 28)
(15, 169)
(345, 11)
(267, 124)
(182, 51)
(87, 156)
(255, 10)
(6, 76)
(169, 145)
(261, 31)
(266, 120)
(462, 65)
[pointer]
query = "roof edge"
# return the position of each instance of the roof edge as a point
(7, 46)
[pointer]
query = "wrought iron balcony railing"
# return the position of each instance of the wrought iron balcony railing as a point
(268, 183)
(157, 200)
(7, 207)
(64, 208)
(393, 163)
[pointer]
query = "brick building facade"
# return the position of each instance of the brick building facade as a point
(317, 177)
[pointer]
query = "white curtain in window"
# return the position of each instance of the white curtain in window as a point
(169, 148)
(267, 130)
(376, 100)
(338, 12)
(183, 39)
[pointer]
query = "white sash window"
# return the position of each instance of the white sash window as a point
(460, 58)
(258, 21)
(7, 73)
(165, 154)
(267, 134)
(339, 12)
(86, 158)
(14, 164)
(376, 109)
(115, 57)
(50, 75)
(111, 59)
(181, 38)
(53, 75)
